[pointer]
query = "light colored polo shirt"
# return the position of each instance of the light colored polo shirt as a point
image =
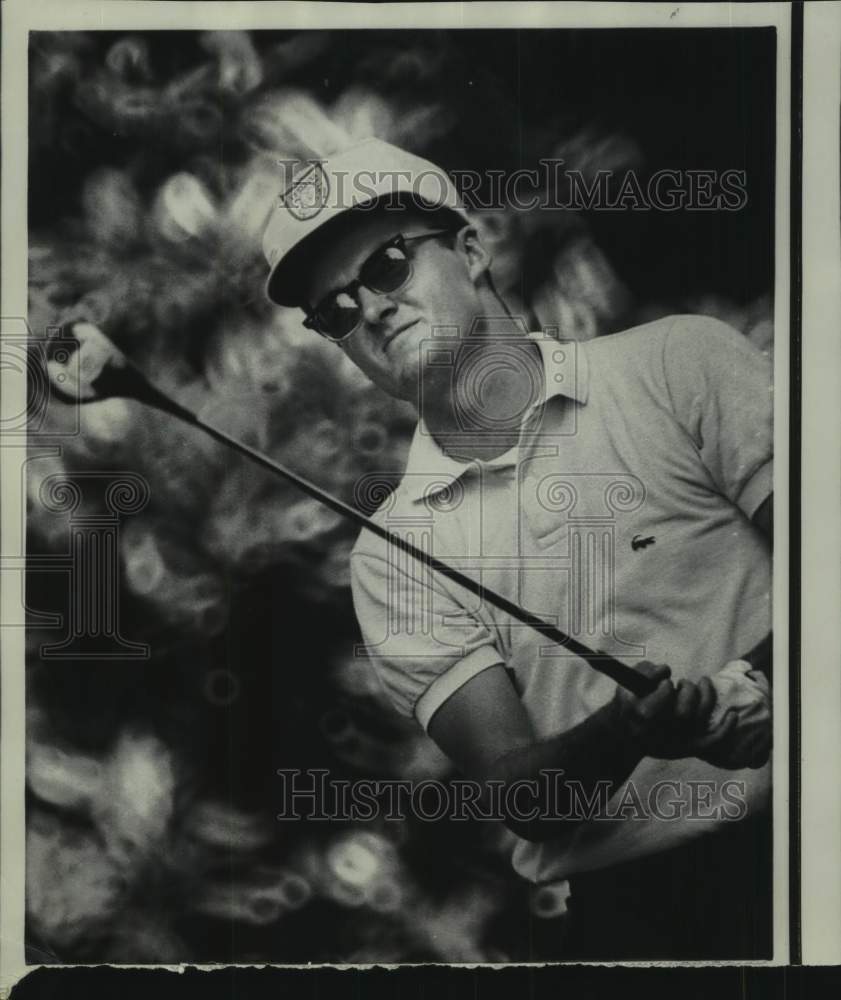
(623, 517)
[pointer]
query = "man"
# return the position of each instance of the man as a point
(620, 488)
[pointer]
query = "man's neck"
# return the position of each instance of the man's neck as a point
(475, 407)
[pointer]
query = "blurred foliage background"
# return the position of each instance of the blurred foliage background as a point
(151, 785)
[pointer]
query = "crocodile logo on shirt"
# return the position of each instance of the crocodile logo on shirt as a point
(638, 543)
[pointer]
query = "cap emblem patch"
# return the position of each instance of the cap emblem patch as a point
(308, 193)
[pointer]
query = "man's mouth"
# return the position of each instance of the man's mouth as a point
(397, 332)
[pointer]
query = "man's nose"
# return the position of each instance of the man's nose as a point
(375, 306)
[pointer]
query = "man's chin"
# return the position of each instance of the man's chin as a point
(408, 386)
(407, 353)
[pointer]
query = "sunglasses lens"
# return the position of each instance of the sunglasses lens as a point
(387, 270)
(338, 315)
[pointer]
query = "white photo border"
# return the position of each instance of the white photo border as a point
(19, 19)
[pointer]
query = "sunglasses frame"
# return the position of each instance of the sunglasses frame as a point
(399, 240)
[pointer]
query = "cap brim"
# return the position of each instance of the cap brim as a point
(287, 276)
(286, 281)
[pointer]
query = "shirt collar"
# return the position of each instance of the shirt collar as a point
(565, 373)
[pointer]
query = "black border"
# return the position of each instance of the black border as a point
(795, 461)
(558, 982)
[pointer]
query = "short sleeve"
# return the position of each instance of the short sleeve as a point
(720, 387)
(422, 637)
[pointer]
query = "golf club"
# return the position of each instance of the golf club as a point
(98, 370)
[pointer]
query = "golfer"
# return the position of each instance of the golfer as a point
(620, 488)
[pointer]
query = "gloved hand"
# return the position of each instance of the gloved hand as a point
(745, 694)
(673, 720)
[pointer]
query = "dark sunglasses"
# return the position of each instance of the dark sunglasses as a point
(388, 269)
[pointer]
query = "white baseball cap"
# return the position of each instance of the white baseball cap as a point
(322, 190)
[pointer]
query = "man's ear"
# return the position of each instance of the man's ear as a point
(476, 254)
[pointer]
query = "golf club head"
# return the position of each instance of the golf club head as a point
(85, 366)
